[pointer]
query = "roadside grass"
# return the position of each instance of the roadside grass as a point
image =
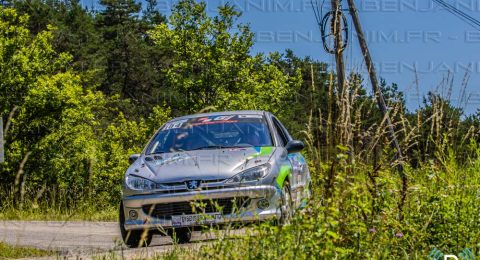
(55, 205)
(14, 252)
(361, 219)
(35, 213)
(178, 252)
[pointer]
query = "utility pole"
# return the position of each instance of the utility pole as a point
(380, 100)
(337, 32)
(342, 127)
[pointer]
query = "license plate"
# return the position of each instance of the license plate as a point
(197, 219)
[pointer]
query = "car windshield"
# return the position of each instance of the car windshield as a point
(211, 132)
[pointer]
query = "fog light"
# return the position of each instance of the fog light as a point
(263, 204)
(132, 214)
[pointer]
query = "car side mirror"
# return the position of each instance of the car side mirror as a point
(294, 146)
(133, 158)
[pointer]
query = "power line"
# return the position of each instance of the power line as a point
(316, 11)
(463, 16)
(329, 20)
(460, 14)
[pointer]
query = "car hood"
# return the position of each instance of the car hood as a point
(212, 165)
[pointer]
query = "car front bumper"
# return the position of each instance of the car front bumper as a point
(249, 213)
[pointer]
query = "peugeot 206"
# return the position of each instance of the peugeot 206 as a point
(213, 169)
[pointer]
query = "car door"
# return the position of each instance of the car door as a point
(300, 175)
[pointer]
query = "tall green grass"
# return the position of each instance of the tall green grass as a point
(54, 207)
(361, 219)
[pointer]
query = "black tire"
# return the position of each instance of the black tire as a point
(287, 205)
(133, 238)
(181, 235)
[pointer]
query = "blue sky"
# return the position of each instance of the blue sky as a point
(402, 35)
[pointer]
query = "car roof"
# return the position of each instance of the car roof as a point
(224, 113)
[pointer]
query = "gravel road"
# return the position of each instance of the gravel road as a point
(73, 239)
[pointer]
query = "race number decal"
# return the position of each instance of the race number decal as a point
(175, 124)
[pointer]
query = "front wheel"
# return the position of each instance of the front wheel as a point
(286, 208)
(133, 238)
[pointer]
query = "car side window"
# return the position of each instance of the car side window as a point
(279, 130)
(284, 130)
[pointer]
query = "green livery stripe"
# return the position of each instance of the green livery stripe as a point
(285, 170)
(266, 151)
(261, 151)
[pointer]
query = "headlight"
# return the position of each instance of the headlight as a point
(138, 183)
(250, 175)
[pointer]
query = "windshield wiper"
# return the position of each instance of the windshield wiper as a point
(220, 147)
(241, 146)
(210, 147)
(156, 153)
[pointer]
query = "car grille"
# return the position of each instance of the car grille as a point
(224, 206)
(173, 184)
(178, 187)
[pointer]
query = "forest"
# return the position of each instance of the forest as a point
(82, 89)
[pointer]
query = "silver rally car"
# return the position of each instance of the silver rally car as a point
(213, 169)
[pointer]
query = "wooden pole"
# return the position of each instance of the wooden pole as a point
(340, 127)
(337, 32)
(380, 100)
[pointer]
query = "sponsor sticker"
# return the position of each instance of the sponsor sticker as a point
(175, 124)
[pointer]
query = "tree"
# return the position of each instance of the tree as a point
(53, 124)
(131, 61)
(74, 33)
(151, 15)
(209, 65)
(67, 138)
(41, 13)
(23, 58)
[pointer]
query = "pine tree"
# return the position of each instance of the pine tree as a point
(130, 62)
(151, 15)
